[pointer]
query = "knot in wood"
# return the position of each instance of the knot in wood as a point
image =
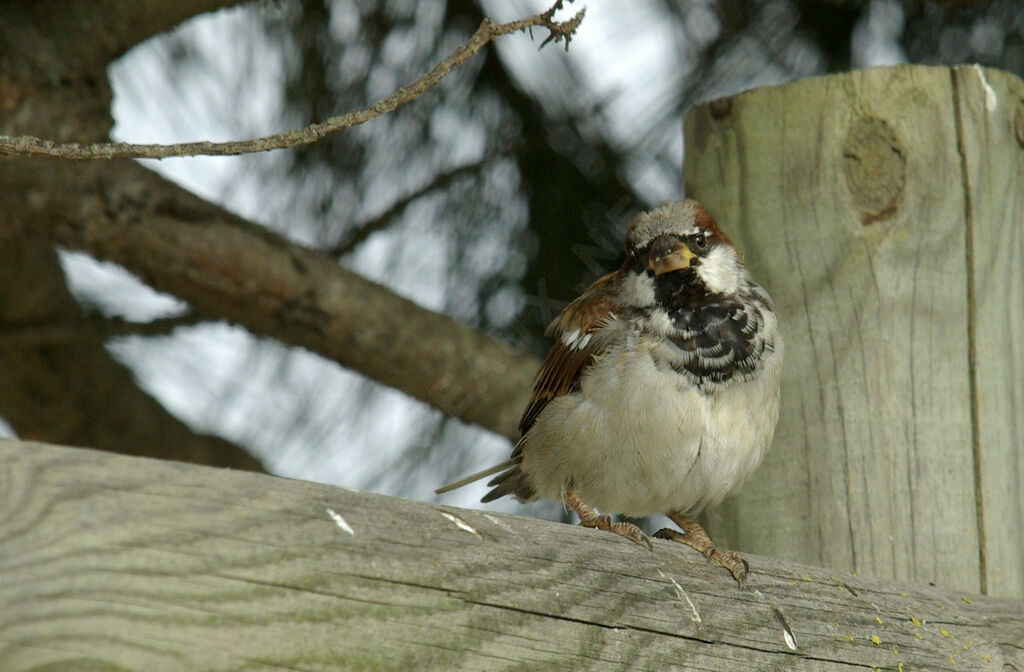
(875, 166)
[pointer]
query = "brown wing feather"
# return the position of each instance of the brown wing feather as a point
(564, 365)
(559, 375)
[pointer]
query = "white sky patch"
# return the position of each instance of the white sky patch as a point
(626, 59)
(875, 40)
(114, 290)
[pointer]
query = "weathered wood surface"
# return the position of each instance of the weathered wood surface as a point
(119, 563)
(883, 209)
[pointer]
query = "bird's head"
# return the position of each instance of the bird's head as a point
(680, 244)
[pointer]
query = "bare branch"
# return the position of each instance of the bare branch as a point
(163, 326)
(93, 327)
(488, 31)
(381, 221)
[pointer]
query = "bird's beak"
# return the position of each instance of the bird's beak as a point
(669, 254)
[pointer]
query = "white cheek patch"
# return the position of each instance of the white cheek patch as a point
(721, 270)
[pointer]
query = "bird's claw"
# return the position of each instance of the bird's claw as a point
(623, 529)
(731, 560)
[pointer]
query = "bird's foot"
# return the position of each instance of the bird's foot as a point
(694, 536)
(590, 518)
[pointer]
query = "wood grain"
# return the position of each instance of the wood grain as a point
(118, 563)
(991, 107)
(876, 207)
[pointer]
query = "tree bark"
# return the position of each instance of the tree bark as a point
(882, 210)
(110, 562)
(66, 40)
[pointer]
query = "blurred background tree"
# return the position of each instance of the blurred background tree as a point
(494, 198)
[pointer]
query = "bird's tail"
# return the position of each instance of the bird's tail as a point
(507, 464)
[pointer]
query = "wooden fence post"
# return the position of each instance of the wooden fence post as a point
(884, 210)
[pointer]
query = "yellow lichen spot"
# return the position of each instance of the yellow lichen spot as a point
(895, 651)
(876, 640)
(903, 594)
(879, 619)
(915, 621)
(987, 658)
(918, 635)
(965, 647)
(899, 667)
(808, 579)
(942, 607)
(966, 599)
(952, 662)
(945, 633)
(848, 638)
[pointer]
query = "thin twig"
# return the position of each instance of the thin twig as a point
(488, 31)
(381, 221)
(34, 335)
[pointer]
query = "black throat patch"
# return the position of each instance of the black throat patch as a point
(717, 339)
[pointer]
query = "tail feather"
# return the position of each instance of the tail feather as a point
(512, 482)
(506, 465)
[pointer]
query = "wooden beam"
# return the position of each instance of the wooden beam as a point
(114, 562)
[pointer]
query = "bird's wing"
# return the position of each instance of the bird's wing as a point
(579, 331)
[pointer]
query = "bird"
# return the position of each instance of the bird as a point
(661, 393)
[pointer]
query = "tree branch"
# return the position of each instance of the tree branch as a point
(92, 327)
(226, 267)
(488, 31)
(77, 39)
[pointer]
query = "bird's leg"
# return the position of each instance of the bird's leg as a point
(590, 518)
(694, 536)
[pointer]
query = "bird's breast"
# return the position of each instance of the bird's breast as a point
(637, 438)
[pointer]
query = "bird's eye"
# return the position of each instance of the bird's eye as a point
(700, 241)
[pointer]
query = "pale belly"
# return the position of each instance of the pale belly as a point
(647, 442)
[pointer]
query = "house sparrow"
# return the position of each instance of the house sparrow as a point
(662, 392)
